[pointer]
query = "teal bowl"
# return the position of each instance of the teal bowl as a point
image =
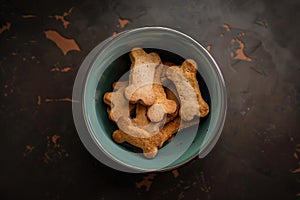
(107, 62)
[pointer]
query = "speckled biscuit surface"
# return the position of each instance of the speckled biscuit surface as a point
(151, 144)
(184, 78)
(119, 106)
(142, 72)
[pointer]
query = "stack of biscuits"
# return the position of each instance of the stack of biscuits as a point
(158, 100)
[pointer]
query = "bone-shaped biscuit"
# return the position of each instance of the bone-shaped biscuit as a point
(151, 144)
(172, 94)
(119, 105)
(162, 105)
(141, 77)
(184, 78)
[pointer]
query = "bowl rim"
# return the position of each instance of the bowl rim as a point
(218, 129)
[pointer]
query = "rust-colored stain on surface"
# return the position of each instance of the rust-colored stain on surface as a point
(28, 149)
(54, 150)
(123, 23)
(175, 173)
(180, 196)
(295, 155)
(296, 170)
(57, 69)
(227, 27)
(28, 16)
(5, 27)
(146, 182)
(240, 52)
(205, 187)
(63, 43)
(208, 47)
(61, 99)
(49, 100)
(54, 139)
(39, 100)
(7, 90)
(62, 17)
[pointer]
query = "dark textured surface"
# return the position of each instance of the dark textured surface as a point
(256, 154)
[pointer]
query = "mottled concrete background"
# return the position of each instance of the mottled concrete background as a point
(256, 43)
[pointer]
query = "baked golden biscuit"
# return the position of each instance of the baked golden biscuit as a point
(172, 94)
(141, 77)
(149, 145)
(119, 106)
(184, 79)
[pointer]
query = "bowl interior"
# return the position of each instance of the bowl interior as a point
(113, 61)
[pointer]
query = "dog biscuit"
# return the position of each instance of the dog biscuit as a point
(149, 145)
(184, 79)
(141, 77)
(119, 106)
